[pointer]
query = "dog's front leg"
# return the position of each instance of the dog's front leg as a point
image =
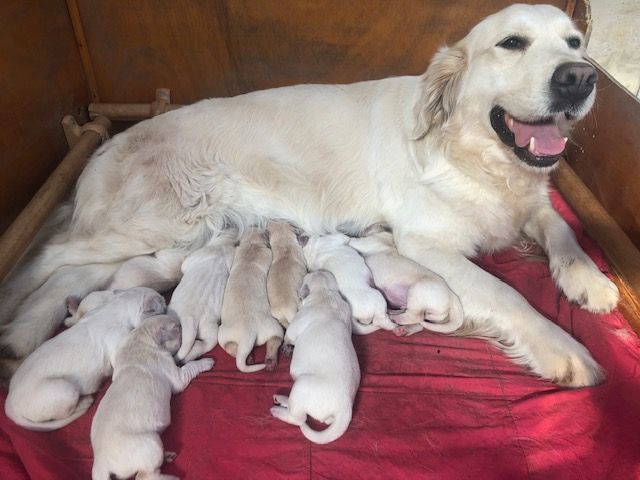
(573, 271)
(497, 310)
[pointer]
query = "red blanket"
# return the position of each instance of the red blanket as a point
(429, 406)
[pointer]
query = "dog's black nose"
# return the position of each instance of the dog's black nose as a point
(573, 81)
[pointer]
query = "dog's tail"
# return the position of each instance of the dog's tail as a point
(455, 319)
(243, 352)
(332, 432)
(82, 406)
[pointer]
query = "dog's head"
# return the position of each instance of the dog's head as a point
(164, 331)
(519, 77)
(318, 280)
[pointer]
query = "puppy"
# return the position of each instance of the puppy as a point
(78, 308)
(246, 315)
(286, 273)
(197, 301)
(160, 271)
(324, 366)
(125, 433)
(368, 306)
(425, 297)
(54, 385)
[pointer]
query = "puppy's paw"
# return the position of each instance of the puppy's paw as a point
(270, 364)
(560, 358)
(584, 284)
(407, 330)
(170, 456)
(281, 400)
(287, 349)
(204, 364)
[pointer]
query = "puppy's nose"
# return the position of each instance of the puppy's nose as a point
(573, 81)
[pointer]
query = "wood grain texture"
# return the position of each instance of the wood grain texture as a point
(41, 81)
(604, 151)
(204, 48)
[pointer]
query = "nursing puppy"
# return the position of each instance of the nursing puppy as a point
(78, 308)
(160, 272)
(324, 366)
(246, 314)
(197, 300)
(125, 433)
(287, 271)
(426, 299)
(54, 385)
(368, 306)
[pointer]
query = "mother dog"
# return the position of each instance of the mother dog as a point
(456, 161)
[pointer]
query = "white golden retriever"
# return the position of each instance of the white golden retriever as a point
(456, 161)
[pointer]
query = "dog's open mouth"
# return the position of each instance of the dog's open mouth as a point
(538, 143)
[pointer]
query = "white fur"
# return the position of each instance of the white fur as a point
(368, 306)
(417, 153)
(79, 309)
(425, 297)
(287, 270)
(324, 366)
(125, 433)
(160, 272)
(246, 314)
(197, 300)
(55, 384)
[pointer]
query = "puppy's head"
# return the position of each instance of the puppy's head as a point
(146, 301)
(519, 78)
(319, 280)
(165, 332)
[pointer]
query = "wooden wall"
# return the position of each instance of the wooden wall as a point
(41, 80)
(204, 48)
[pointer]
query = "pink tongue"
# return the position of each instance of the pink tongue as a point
(548, 139)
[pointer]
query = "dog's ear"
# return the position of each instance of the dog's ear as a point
(73, 302)
(440, 87)
(153, 305)
(303, 291)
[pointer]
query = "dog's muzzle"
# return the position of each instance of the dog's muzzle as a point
(538, 144)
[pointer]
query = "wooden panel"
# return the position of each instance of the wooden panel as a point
(604, 152)
(41, 81)
(201, 48)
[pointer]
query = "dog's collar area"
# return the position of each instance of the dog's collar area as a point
(521, 138)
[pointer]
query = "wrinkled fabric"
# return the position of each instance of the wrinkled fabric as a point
(429, 406)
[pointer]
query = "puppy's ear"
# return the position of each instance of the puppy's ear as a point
(153, 305)
(303, 291)
(440, 88)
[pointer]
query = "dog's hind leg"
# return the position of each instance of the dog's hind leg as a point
(43, 311)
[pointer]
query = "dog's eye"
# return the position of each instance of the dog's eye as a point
(574, 42)
(514, 42)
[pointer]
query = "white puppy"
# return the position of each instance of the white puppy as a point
(160, 271)
(125, 433)
(324, 366)
(368, 306)
(246, 314)
(78, 308)
(54, 385)
(197, 301)
(287, 271)
(425, 297)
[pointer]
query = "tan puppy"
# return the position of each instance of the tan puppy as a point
(125, 433)
(324, 366)
(55, 384)
(287, 271)
(246, 315)
(426, 299)
(197, 300)
(368, 306)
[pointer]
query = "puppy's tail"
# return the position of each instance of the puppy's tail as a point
(82, 406)
(244, 350)
(332, 432)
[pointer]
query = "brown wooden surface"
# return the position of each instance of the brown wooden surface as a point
(41, 80)
(204, 48)
(622, 254)
(605, 153)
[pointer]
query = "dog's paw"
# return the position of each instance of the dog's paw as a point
(270, 364)
(204, 364)
(560, 358)
(287, 349)
(584, 284)
(170, 456)
(406, 330)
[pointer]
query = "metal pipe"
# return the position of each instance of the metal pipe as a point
(17, 238)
